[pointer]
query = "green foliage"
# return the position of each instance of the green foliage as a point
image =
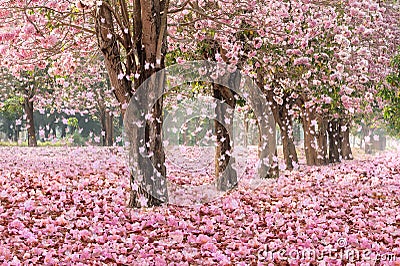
(12, 108)
(391, 111)
(78, 139)
(73, 122)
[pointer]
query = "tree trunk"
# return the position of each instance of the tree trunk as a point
(272, 171)
(289, 149)
(334, 141)
(63, 131)
(346, 152)
(285, 123)
(322, 149)
(225, 174)
(16, 134)
(28, 107)
(109, 129)
(146, 153)
(367, 144)
(103, 124)
(111, 51)
(267, 150)
(53, 130)
(309, 139)
(144, 55)
(107, 126)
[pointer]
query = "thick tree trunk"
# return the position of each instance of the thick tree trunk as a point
(267, 149)
(322, 149)
(289, 149)
(28, 107)
(285, 123)
(309, 137)
(272, 171)
(225, 174)
(346, 152)
(334, 141)
(145, 48)
(148, 172)
(107, 126)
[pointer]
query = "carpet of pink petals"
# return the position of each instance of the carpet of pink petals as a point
(67, 206)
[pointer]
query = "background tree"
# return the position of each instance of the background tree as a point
(391, 94)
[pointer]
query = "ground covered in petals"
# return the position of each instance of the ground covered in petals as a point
(67, 206)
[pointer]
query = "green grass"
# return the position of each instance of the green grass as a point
(40, 144)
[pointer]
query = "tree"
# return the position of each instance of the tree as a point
(29, 85)
(11, 112)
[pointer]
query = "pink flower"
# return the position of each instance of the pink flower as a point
(302, 61)
(202, 239)
(176, 236)
(209, 247)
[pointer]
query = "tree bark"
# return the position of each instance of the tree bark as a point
(334, 141)
(147, 172)
(285, 123)
(322, 149)
(109, 129)
(272, 171)
(107, 41)
(346, 152)
(266, 149)
(225, 174)
(28, 107)
(144, 55)
(107, 126)
(309, 137)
